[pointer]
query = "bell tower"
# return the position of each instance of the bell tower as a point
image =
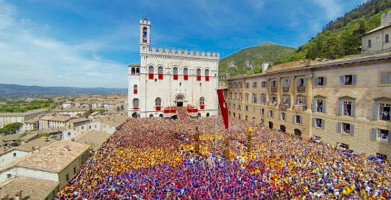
(145, 34)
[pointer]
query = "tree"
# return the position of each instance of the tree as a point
(11, 128)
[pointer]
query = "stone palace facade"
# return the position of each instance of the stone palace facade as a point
(167, 79)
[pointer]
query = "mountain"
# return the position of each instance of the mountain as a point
(249, 60)
(12, 90)
(342, 36)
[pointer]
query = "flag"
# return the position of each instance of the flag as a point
(223, 107)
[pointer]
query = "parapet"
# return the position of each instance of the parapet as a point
(183, 53)
(145, 21)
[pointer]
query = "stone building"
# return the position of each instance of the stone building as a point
(7, 118)
(57, 162)
(378, 39)
(344, 102)
(171, 78)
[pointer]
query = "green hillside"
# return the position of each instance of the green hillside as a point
(249, 60)
(343, 36)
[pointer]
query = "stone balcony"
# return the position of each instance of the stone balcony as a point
(284, 106)
(285, 89)
(301, 89)
(272, 104)
(273, 89)
(299, 108)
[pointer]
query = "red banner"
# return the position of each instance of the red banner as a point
(223, 107)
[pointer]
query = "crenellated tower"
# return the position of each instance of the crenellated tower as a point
(145, 34)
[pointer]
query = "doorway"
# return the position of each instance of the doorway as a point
(271, 125)
(282, 128)
(179, 100)
(297, 132)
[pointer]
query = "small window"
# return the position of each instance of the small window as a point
(385, 78)
(246, 108)
(247, 97)
(386, 38)
(348, 79)
(262, 111)
(298, 119)
(319, 105)
(67, 177)
(69, 133)
(9, 175)
(343, 146)
(369, 43)
(345, 128)
(271, 113)
(263, 99)
(263, 84)
(283, 116)
(273, 83)
(320, 81)
(247, 85)
(198, 74)
(206, 74)
(74, 170)
(254, 84)
(384, 111)
(347, 108)
(318, 123)
(14, 154)
(255, 98)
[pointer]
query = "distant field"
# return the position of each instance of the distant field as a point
(24, 106)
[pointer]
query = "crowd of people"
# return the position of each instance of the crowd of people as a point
(154, 158)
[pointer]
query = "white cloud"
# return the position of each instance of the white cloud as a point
(332, 7)
(29, 56)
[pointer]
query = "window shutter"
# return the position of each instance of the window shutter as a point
(342, 80)
(313, 105)
(313, 122)
(353, 109)
(373, 134)
(294, 120)
(339, 127)
(351, 129)
(301, 119)
(304, 82)
(324, 105)
(298, 82)
(323, 123)
(340, 106)
(354, 79)
(324, 81)
(316, 81)
(375, 111)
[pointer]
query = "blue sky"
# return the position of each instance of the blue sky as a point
(89, 43)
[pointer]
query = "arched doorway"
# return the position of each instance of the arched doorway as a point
(199, 115)
(174, 117)
(151, 116)
(270, 125)
(134, 115)
(297, 132)
(207, 114)
(179, 99)
(282, 128)
(161, 115)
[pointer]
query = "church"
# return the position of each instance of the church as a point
(169, 80)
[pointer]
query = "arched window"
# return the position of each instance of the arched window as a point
(198, 74)
(135, 104)
(158, 103)
(133, 70)
(135, 88)
(150, 72)
(137, 70)
(145, 35)
(369, 43)
(160, 73)
(175, 73)
(206, 74)
(386, 38)
(185, 74)
(202, 103)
